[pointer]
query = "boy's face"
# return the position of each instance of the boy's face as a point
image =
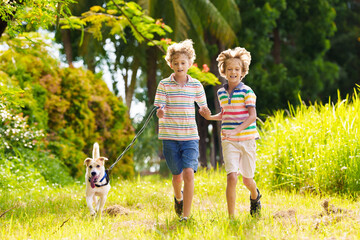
(180, 64)
(233, 70)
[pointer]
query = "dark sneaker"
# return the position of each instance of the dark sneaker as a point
(255, 205)
(179, 207)
(183, 219)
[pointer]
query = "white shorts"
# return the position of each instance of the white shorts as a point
(240, 157)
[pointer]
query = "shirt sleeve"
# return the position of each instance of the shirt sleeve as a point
(160, 97)
(250, 98)
(221, 95)
(200, 96)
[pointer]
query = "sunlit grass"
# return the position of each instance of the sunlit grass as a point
(146, 212)
(307, 170)
(313, 146)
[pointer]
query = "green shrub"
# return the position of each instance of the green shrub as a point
(23, 163)
(73, 106)
(15, 173)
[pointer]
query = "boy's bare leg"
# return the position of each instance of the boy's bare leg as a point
(177, 185)
(251, 185)
(188, 174)
(232, 179)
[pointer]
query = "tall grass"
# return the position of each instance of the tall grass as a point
(313, 147)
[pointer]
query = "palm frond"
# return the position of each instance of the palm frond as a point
(145, 4)
(197, 33)
(202, 53)
(213, 20)
(149, 6)
(182, 24)
(230, 11)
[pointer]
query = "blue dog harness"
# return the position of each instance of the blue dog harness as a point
(107, 180)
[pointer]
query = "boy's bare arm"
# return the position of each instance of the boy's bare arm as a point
(206, 113)
(245, 124)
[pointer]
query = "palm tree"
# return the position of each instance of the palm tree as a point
(198, 20)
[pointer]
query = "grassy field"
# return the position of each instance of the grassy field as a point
(308, 172)
(143, 209)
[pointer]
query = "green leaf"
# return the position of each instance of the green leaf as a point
(112, 11)
(167, 28)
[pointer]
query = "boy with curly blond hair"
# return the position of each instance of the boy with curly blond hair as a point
(175, 97)
(238, 126)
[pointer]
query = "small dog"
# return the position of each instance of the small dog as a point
(97, 181)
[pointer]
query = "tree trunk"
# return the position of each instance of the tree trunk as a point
(212, 143)
(66, 39)
(151, 62)
(276, 52)
(87, 52)
(151, 56)
(216, 134)
(131, 88)
(90, 62)
(3, 24)
(204, 139)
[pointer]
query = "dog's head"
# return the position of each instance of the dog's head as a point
(94, 169)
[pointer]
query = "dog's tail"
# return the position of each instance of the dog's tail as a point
(96, 151)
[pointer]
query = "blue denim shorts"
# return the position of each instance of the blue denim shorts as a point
(181, 154)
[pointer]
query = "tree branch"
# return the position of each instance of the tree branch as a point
(62, 225)
(7, 211)
(149, 40)
(4, 23)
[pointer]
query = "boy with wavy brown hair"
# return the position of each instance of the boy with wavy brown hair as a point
(238, 126)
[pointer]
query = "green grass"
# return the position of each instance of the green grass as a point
(145, 211)
(315, 146)
(307, 159)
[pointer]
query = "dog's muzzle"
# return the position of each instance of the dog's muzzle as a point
(93, 179)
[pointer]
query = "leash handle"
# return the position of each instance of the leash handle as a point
(136, 136)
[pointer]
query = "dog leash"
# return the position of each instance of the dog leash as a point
(136, 136)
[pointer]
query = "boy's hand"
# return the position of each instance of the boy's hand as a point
(160, 113)
(228, 133)
(205, 112)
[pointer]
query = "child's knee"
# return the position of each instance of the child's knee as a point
(188, 175)
(177, 178)
(248, 181)
(232, 178)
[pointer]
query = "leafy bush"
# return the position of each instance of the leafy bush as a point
(23, 163)
(15, 132)
(73, 107)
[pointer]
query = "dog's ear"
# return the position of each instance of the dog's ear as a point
(102, 159)
(87, 161)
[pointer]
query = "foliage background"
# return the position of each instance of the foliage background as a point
(73, 107)
(299, 48)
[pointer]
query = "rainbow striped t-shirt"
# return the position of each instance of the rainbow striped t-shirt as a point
(179, 122)
(234, 111)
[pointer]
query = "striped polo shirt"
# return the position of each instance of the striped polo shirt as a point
(179, 122)
(234, 108)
